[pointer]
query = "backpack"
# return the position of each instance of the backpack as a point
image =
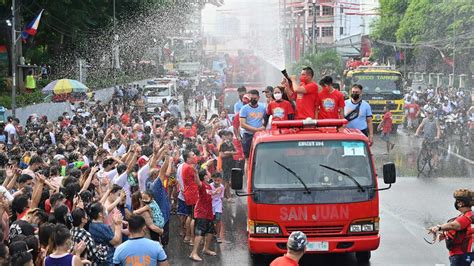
(458, 238)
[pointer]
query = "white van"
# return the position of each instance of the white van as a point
(157, 90)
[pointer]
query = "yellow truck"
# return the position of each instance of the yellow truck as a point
(383, 85)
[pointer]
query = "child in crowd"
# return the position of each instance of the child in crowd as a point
(226, 152)
(152, 206)
(217, 196)
(386, 127)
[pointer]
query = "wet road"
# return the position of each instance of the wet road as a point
(405, 210)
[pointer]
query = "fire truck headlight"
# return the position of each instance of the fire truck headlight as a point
(261, 230)
(273, 230)
(355, 228)
(367, 227)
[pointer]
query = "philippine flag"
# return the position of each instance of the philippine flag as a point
(32, 27)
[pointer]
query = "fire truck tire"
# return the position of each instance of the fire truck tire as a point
(363, 256)
(256, 259)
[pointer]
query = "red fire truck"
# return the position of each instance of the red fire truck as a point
(316, 177)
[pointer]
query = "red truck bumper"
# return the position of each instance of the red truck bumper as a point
(341, 244)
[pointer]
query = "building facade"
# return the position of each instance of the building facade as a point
(342, 24)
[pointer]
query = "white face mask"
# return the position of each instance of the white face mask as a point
(277, 96)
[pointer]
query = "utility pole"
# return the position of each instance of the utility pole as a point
(113, 43)
(313, 27)
(454, 47)
(14, 61)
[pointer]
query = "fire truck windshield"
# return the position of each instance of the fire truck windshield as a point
(379, 83)
(305, 159)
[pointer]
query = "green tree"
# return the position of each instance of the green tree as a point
(385, 28)
(328, 62)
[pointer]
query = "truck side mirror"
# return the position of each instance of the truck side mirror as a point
(389, 173)
(237, 179)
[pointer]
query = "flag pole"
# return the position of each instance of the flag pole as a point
(13, 54)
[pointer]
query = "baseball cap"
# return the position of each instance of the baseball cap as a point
(297, 241)
(142, 161)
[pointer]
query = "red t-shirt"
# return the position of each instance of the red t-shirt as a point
(465, 223)
(280, 110)
(125, 119)
(284, 261)
(329, 104)
(188, 133)
(306, 103)
(387, 122)
(203, 209)
(190, 187)
(236, 121)
(239, 156)
(413, 109)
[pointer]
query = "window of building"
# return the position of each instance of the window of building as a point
(327, 32)
(328, 11)
(318, 10)
(341, 30)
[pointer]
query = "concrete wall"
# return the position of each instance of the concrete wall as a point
(53, 110)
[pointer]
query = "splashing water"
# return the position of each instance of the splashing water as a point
(141, 39)
(266, 34)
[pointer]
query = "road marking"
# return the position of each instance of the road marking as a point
(457, 155)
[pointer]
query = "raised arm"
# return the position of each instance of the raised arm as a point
(38, 190)
(88, 181)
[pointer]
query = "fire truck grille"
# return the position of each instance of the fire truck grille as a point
(316, 230)
(378, 108)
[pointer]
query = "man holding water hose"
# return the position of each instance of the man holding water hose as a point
(306, 94)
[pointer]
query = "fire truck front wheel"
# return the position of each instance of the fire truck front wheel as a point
(363, 256)
(256, 259)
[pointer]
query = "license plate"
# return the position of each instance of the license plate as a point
(317, 246)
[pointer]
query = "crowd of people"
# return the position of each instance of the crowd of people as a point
(101, 185)
(451, 107)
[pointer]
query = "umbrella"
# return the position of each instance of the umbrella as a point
(63, 86)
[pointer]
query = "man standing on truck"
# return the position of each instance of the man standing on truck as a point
(306, 94)
(238, 105)
(296, 247)
(330, 101)
(359, 113)
(251, 120)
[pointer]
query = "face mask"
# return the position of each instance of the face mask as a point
(456, 205)
(253, 102)
(277, 96)
(303, 79)
(355, 96)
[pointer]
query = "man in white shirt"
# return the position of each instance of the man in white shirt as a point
(10, 128)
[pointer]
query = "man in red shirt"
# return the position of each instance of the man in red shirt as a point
(204, 216)
(296, 247)
(386, 128)
(413, 110)
(458, 231)
(188, 131)
(306, 94)
(189, 176)
(330, 101)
